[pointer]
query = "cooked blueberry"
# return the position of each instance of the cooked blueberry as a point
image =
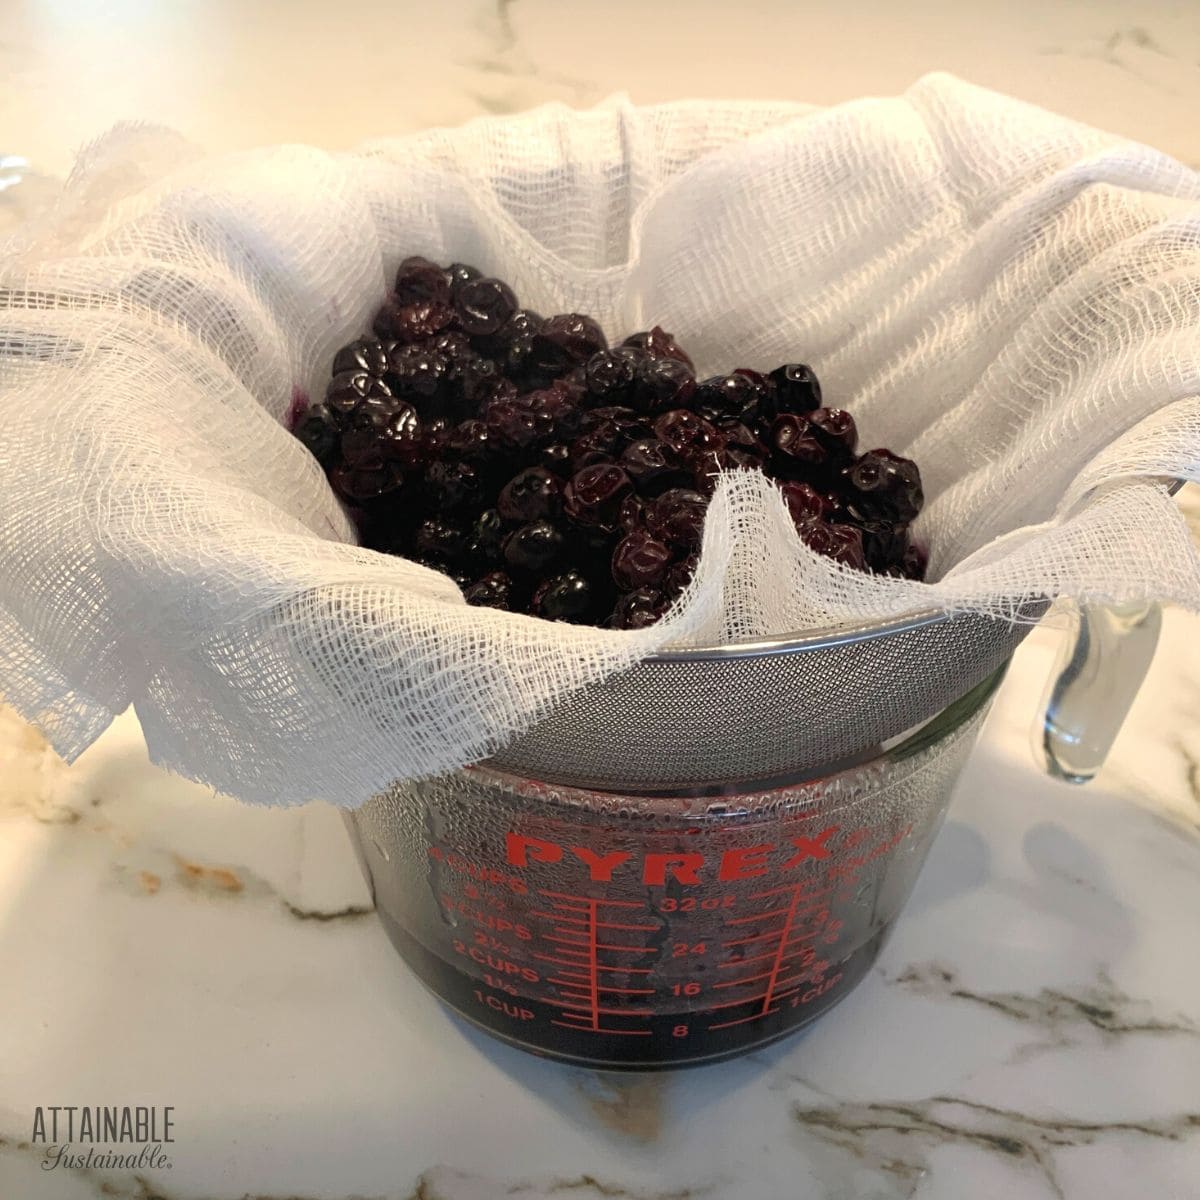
(636, 610)
(512, 424)
(916, 562)
(533, 547)
(416, 371)
(653, 466)
(796, 388)
(419, 280)
(884, 544)
(317, 430)
(689, 435)
(662, 384)
(884, 486)
(640, 560)
(610, 375)
(454, 485)
(565, 341)
(460, 274)
(804, 502)
(440, 540)
(796, 443)
(493, 590)
(477, 379)
(659, 344)
(835, 429)
(566, 597)
(348, 390)
(402, 440)
(359, 486)
(484, 305)
(469, 440)
(366, 354)
(677, 517)
(727, 395)
(532, 495)
(488, 533)
(842, 543)
(412, 322)
(594, 494)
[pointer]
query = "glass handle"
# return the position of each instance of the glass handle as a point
(1097, 677)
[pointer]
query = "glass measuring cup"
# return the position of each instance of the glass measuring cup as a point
(634, 931)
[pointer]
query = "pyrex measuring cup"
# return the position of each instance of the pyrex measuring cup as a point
(621, 930)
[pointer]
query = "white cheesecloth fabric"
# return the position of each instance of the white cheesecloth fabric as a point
(1007, 296)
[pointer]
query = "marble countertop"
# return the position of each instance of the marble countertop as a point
(1033, 1028)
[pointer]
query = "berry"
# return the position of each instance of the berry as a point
(366, 354)
(804, 502)
(594, 494)
(454, 485)
(636, 610)
(402, 441)
(600, 444)
(728, 395)
(452, 345)
(440, 540)
(487, 534)
(411, 322)
(677, 517)
(882, 485)
(689, 435)
(916, 562)
(563, 342)
(610, 375)
(512, 424)
(484, 305)
(566, 597)
(555, 411)
(493, 590)
(420, 280)
(360, 486)
(477, 379)
(652, 465)
(557, 458)
(639, 560)
(679, 575)
(319, 433)
(796, 389)
(659, 344)
(533, 547)
(662, 384)
(884, 545)
(416, 371)
(470, 441)
(795, 443)
(532, 495)
(835, 430)
(459, 274)
(842, 543)
(349, 389)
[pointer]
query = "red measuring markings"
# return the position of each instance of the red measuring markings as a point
(782, 958)
(583, 927)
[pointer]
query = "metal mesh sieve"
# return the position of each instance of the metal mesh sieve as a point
(758, 711)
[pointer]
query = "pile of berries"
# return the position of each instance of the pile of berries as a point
(550, 474)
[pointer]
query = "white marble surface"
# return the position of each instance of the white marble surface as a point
(1033, 1029)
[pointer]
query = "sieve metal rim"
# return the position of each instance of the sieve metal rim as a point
(797, 641)
(903, 748)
